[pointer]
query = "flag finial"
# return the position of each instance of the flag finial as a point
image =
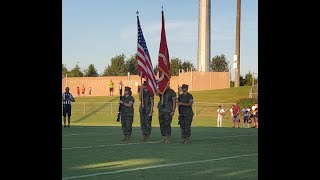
(137, 13)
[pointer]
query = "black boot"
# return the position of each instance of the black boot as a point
(187, 140)
(124, 137)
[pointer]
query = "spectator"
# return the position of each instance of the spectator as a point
(255, 121)
(83, 89)
(78, 91)
(245, 111)
(220, 112)
(253, 114)
(111, 84)
(120, 88)
(235, 115)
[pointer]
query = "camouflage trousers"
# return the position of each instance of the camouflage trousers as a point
(185, 125)
(165, 123)
(126, 124)
(145, 123)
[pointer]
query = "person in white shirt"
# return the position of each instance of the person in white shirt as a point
(253, 108)
(220, 112)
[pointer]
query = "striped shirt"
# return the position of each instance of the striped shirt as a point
(66, 98)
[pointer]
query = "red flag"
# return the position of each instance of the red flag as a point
(144, 62)
(163, 61)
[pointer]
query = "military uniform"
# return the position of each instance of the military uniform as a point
(127, 115)
(164, 113)
(185, 115)
(145, 119)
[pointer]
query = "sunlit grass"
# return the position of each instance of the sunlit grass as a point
(122, 163)
(238, 172)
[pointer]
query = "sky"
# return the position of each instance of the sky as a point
(94, 31)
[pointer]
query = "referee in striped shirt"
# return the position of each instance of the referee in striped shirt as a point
(67, 98)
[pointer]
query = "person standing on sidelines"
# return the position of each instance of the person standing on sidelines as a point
(220, 114)
(67, 98)
(245, 111)
(256, 118)
(185, 101)
(127, 113)
(254, 115)
(83, 90)
(235, 115)
(78, 91)
(120, 87)
(146, 110)
(90, 91)
(111, 84)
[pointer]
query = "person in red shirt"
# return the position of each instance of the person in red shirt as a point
(235, 115)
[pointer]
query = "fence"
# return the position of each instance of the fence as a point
(253, 92)
(199, 108)
(197, 81)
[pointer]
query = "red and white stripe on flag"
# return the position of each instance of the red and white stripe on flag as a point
(163, 61)
(144, 62)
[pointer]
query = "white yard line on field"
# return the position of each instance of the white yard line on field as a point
(158, 166)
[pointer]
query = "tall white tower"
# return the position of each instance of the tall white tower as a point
(204, 38)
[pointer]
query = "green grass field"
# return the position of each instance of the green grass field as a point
(102, 111)
(91, 147)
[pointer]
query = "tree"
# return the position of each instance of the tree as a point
(91, 71)
(64, 71)
(219, 64)
(76, 72)
(187, 65)
(231, 83)
(175, 65)
(242, 81)
(117, 67)
(249, 79)
(132, 65)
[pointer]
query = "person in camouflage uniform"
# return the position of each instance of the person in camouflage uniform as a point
(146, 110)
(127, 112)
(166, 107)
(185, 101)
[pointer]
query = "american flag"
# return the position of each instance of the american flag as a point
(144, 62)
(163, 61)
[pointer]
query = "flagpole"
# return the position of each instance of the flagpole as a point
(144, 61)
(163, 93)
(164, 61)
(66, 80)
(141, 92)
